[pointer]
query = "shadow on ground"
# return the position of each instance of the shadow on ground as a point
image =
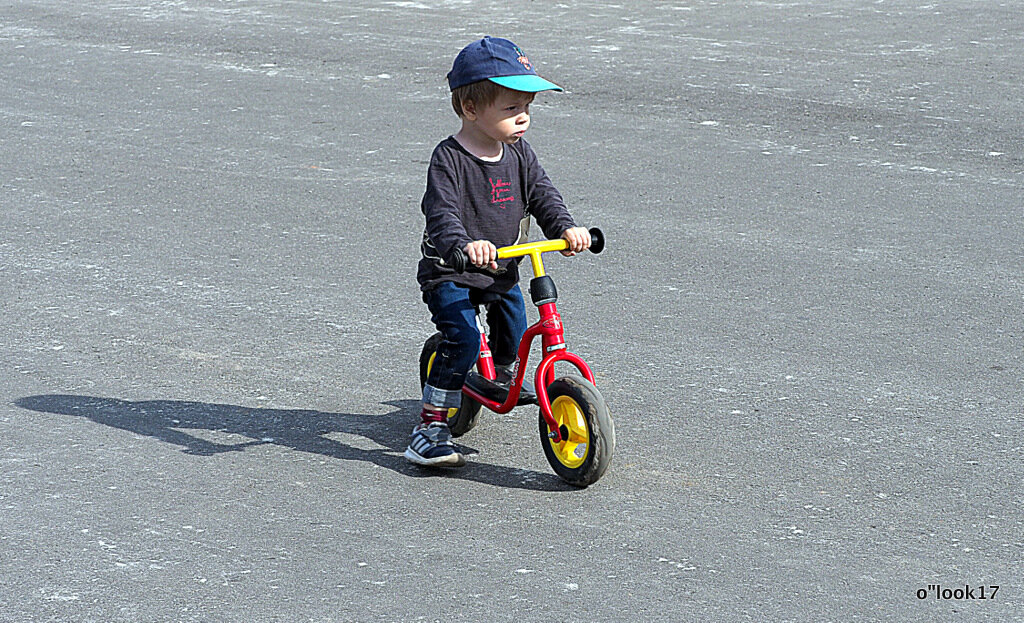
(303, 430)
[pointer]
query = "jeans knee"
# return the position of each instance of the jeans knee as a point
(462, 347)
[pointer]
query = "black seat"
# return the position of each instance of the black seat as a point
(483, 297)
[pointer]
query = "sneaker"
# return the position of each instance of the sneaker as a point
(431, 445)
(527, 393)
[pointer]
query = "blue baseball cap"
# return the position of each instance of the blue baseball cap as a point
(501, 62)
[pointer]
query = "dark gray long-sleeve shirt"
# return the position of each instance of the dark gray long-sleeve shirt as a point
(471, 199)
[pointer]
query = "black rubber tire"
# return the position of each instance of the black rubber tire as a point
(463, 419)
(599, 427)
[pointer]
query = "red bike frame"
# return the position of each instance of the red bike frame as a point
(549, 328)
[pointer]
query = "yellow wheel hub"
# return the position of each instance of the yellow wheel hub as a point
(572, 450)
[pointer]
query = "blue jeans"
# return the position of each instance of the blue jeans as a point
(453, 312)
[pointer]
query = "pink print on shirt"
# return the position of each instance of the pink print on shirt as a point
(500, 191)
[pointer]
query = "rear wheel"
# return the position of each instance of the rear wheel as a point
(462, 419)
(587, 429)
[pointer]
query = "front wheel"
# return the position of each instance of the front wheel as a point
(462, 419)
(588, 432)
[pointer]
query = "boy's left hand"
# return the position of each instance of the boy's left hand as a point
(579, 240)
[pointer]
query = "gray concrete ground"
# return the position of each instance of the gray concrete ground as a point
(807, 324)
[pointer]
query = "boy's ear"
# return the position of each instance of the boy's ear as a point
(469, 109)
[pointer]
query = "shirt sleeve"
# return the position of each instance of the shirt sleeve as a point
(544, 201)
(441, 205)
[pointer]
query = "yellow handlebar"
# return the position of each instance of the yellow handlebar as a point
(533, 249)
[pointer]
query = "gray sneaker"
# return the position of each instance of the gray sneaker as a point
(431, 445)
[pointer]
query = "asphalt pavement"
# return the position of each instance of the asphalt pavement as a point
(807, 323)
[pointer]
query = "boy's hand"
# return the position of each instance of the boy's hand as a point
(579, 240)
(482, 253)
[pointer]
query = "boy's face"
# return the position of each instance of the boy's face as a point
(507, 118)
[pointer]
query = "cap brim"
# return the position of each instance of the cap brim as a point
(528, 83)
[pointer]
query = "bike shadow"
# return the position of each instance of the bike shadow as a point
(304, 430)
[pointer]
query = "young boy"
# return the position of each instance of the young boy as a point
(483, 184)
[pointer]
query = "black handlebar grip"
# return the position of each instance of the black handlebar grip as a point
(457, 260)
(596, 240)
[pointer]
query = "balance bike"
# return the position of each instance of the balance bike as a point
(576, 429)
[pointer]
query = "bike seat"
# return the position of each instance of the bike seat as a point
(483, 297)
(498, 391)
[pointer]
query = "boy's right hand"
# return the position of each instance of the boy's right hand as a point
(482, 253)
